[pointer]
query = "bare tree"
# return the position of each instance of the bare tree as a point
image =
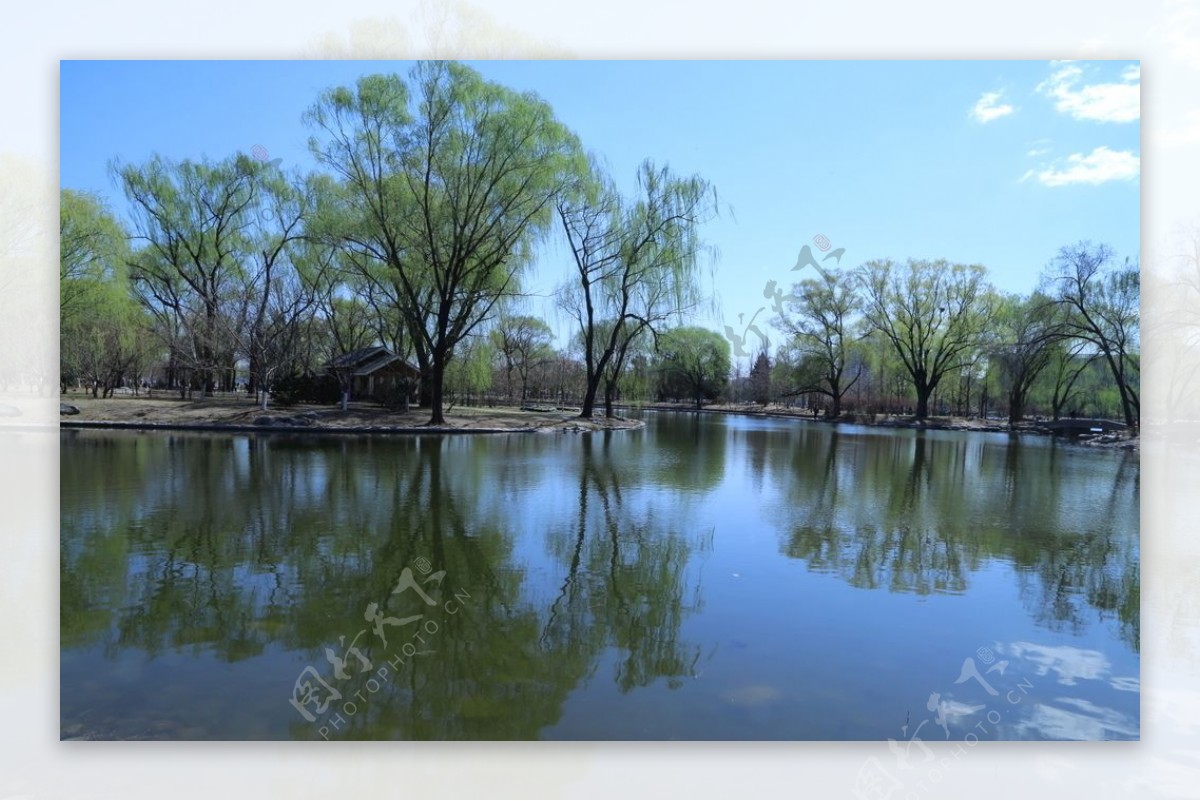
(1102, 306)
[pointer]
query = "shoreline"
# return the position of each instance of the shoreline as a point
(226, 415)
(969, 425)
(121, 425)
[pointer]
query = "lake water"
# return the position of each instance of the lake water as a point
(707, 577)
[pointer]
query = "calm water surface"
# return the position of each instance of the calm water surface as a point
(705, 578)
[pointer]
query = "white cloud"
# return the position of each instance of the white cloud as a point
(989, 107)
(1039, 147)
(1131, 684)
(1090, 722)
(1068, 662)
(1101, 102)
(1100, 166)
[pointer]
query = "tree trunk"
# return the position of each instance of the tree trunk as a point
(1016, 407)
(425, 382)
(923, 394)
(1131, 419)
(610, 395)
(1122, 389)
(589, 397)
(436, 417)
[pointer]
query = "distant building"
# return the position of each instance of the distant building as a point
(374, 373)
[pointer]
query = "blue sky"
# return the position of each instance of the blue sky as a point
(991, 162)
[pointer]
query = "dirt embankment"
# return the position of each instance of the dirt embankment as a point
(240, 414)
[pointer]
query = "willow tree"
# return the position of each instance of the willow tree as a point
(1069, 360)
(931, 312)
(819, 318)
(694, 362)
(93, 250)
(190, 219)
(637, 264)
(1102, 305)
(105, 347)
(280, 281)
(522, 343)
(101, 336)
(1023, 333)
(348, 319)
(450, 186)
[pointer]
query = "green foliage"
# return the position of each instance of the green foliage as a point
(637, 264)
(438, 188)
(469, 373)
(931, 312)
(193, 220)
(504, 666)
(819, 318)
(1021, 336)
(93, 249)
(451, 195)
(101, 329)
(1101, 304)
(693, 363)
(103, 346)
(522, 344)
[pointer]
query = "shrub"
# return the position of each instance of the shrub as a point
(296, 388)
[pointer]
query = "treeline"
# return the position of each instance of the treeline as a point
(931, 337)
(433, 197)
